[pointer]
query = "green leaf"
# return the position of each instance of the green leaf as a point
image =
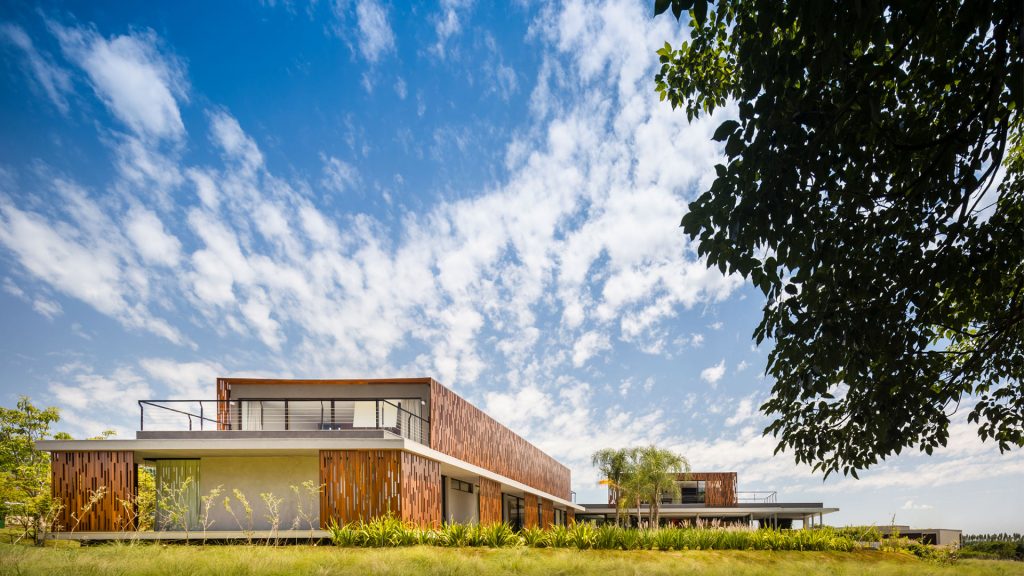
(660, 6)
(724, 130)
(700, 11)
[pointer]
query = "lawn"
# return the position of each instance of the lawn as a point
(117, 559)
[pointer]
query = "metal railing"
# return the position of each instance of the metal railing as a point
(756, 497)
(286, 414)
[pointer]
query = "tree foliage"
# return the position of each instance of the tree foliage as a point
(640, 475)
(25, 471)
(874, 193)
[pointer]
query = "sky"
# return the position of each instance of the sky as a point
(485, 193)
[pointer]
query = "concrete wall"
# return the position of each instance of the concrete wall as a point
(462, 506)
(254, 475)
(351, 391)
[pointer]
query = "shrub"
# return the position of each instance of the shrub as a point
(499, 535)
(534, 537)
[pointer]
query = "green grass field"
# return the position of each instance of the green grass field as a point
(115, 559)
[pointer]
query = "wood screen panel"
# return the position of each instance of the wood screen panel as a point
(461, 430)
(530, 518)
(719, 487)
(570, 516)
(223, 408)
(76, 476)
(547, 513)
(490, 502)
(421, 490)
(359, 485)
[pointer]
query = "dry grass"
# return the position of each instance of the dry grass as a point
(115, 559)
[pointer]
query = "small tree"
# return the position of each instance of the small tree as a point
(25, 471)
(657, 472)
(613, 464)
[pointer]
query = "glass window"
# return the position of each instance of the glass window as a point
(177, 494)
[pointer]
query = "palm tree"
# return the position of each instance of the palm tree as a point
(614, 464)
(657, 471)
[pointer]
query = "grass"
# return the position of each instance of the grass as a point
(125, 560)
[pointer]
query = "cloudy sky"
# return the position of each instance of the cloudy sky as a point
(486, 195)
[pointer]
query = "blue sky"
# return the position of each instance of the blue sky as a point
(489, 195)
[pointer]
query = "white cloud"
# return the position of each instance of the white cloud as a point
(744, 412)
(400, 88)
(375, 36)
(47, 307)
(140, 85)
(90, 260)
(587, 346)
(712, 374)
(910, 505)
(52, 79)
(743, 365)
(339, 176)
(153, 243)
(447, 24)
(188, 380)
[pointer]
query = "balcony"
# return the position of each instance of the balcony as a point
(287, 416)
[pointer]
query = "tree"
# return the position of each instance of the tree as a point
(874, 193)
(638, 475)
(613, 464)
(656, 473)
(25, 471)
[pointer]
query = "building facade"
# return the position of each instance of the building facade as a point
(713, 498)
(330, 450)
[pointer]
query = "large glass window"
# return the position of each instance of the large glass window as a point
(512, 510)
(692, 491)
(177, 494)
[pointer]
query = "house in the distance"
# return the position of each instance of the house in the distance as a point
(331, 450)
(712, 498)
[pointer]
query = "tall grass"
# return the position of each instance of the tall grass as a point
(391, 532)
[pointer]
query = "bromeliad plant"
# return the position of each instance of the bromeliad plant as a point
(389, 531)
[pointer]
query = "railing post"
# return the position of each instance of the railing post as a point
(142, 420)
(286, 414)
(201, 415)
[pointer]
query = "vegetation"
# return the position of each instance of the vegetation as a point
(640, 475)
(24, 471)
(389, 532)
(874, 192)
(995, 546)
(420, 560)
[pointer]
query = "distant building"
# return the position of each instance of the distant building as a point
(712, 497)
(934, 536)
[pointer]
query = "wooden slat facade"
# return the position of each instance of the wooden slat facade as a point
(490, 502)
(223, 408)
(719, 487)
(359, 485)
(75, 474)
(530, 513)
(420, 486)
(547, 513)
(570, 516)
(461, 430)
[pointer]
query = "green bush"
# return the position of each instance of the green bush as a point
(388, 531)
(997, 550)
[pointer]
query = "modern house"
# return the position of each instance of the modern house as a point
(331, 450)
(712, 498)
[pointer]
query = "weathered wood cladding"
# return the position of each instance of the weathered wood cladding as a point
(463, 431)
(77, 476)
(547, 513)
(359, 485)
(223, 408)
(570, 516)
(490, 502)
(530, 515)
(719, 487)
(421, 490)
